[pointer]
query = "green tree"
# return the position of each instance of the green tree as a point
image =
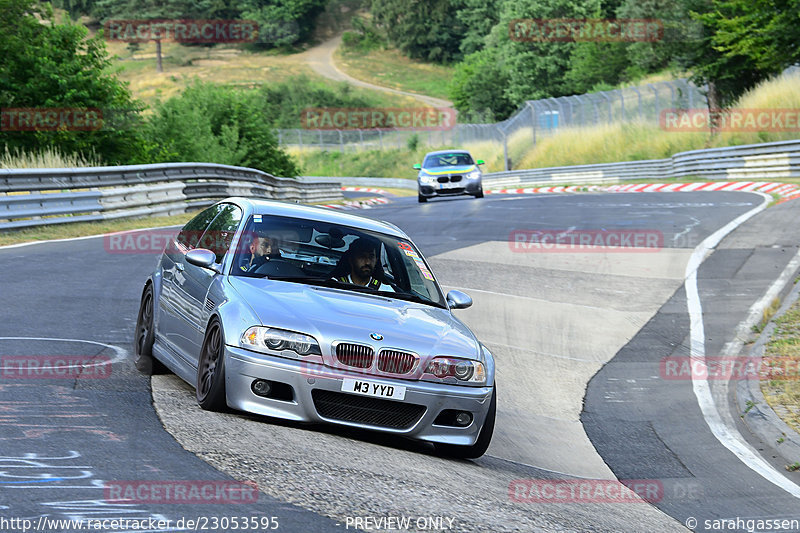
(597, 64)
(282, 22)
(477, 17)
(478, 88)
(55, 65)
(537, 69)
(746, 42)
(680, 32)
(284, 102)
(215, 124)
(423, 29)
(106, 10)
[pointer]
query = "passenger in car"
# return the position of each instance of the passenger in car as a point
(260, 248)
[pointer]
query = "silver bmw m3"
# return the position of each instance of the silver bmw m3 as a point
(312, 315)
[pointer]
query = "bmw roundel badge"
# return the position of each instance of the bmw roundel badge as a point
(376, 336)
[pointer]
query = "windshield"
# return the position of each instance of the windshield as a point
(321, 253)
(447, 160)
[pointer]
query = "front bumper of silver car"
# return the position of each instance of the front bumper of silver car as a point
(317, 396)
(431, 187)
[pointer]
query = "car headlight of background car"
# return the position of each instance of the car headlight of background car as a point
(279, 341)
(455, 370)
(475, 174)
(427, 178)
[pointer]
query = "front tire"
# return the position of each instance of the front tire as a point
(479, 194)
(421, 199)
(145, 337)
(484, 437)
(210, 385)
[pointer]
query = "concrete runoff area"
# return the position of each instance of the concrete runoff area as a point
(541, 383)
(543, 370)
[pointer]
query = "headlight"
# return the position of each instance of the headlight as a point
(269, 340)
(426, 178)
(473, 175)
(463, 370)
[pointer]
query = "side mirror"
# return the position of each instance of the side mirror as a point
(417, 167)
(458, 300)
(202, 258)
(480, 161)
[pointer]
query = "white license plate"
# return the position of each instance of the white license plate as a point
(370, 388)
(449, 185)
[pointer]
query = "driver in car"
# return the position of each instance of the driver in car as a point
(362, 260)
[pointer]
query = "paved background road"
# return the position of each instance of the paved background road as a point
(552, 319)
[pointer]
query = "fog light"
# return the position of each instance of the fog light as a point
(261, 387)
(463, 419)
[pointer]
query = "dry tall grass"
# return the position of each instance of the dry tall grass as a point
(633, 141)
(47, 158)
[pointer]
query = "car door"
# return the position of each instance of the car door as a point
(196, 281)
(172, 304)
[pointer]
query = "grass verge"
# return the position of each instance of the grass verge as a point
(783, 351)
(223, 64)
(390, 68)
(605, 143)
(389, 163)
(85, 229)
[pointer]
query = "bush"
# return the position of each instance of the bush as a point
(364, 37)
(215, 124)
(284, 102)
(49, 65)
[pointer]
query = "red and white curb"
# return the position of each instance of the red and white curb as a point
(363, 204)
(360, 204)
(364, 189)
(786, 191)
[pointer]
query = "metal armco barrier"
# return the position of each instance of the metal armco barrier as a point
(767, 161)
(103, 193)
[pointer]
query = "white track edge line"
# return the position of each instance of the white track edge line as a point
(702, 391)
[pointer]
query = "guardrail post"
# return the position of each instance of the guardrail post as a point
(505, 148)
(608, 101)
(639, 97)
(672, 95)
(655, 98)
(341, 141)
(532, 106)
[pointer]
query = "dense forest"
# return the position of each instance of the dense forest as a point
(50, 62)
